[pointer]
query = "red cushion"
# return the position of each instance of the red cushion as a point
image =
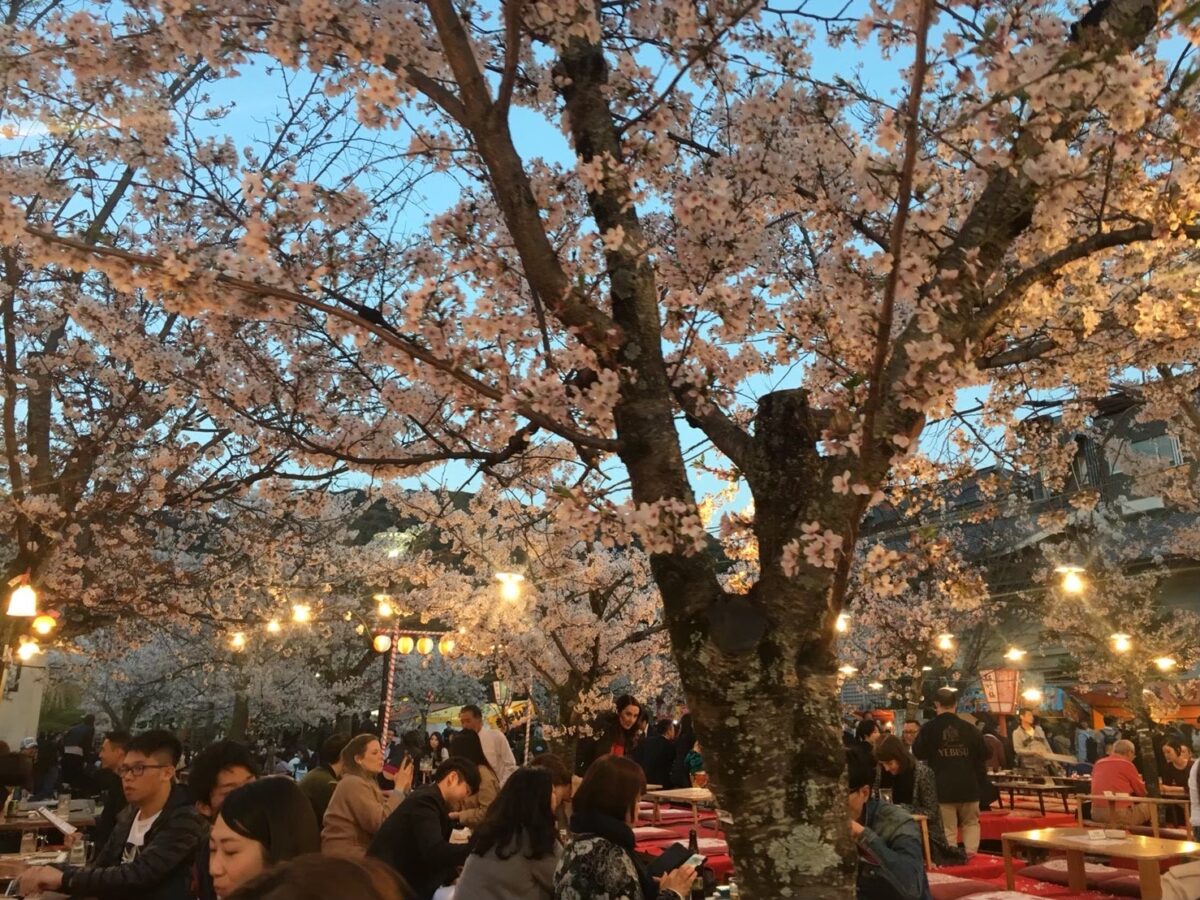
(1124, 886)
(949, 887)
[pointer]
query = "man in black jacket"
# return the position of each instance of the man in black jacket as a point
(415, 839)
(108, 785)
(955, 751)
(150, 852)
(656, 755)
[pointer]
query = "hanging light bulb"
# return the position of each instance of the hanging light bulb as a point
(510, 585)
(1014, 654)
(945, 642)
(876, 685)
(301, 613)
(425, 646)
(847, 670)
(1121, 643)
(842, 625)
(273, 627)
(23, 600)
(385, 608)
(27, 650)
(43, 625)
(446, 645)
(1165, 663)
(1032, 695)
(405, 644)
(1072, 579)
(237, 640)
(382, 643)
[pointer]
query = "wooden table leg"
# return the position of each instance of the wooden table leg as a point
(1066, 808)
(1150, 879)
(1042, 802)
(657, 811)
(1012, 803)
(924, 823)
(1010, 871)
(1076, 874)
(1153, 818)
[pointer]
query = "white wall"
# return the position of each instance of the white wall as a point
(21, 708)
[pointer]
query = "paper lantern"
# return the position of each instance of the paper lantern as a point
(405, 644)
(446, 646)
(382, 643)
(23, 601)
(425, 646)
(1000, 689)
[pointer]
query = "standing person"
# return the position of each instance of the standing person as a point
(415, 838)
(891, 864)
(470, 812)
(358, 807)
(495, 745)
(914, 787)
(152, 849)
(516, 849)
(436, 749)
(599, 862)
(954, 750)
(260, 824)
(615, 732)
(320, 782)
(657, 753)
(1117, 774)
(108, 784)
(216, 771)
(78, 743)
(1029, 739)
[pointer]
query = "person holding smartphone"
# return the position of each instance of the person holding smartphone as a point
(599, 861)
(358, 806)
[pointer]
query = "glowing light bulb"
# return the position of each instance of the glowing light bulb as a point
(1033, 695)
(847, 670)
(384, 609)
(273, 627)
(301, 613)
(1165, 663)
(27, 650)
(876, 685)
(44, 624)
(945, 642)
(1014, 654)
(1121, 643)
(510, 585)
(842, 625)
(23, 601)
(1072, 580)
(237, 641)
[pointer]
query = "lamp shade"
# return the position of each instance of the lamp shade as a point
(1000, 688)
(23, 601)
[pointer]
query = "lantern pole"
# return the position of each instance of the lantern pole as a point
(389, 681)
(528, 722)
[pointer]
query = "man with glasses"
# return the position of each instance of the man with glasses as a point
(150, 853)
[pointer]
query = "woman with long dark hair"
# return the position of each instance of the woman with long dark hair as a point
(516, 845)
(914, 787)
(471, 811)
(617, 732)
(436, 749)
(260, 824)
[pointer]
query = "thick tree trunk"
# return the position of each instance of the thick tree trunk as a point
(239, 721)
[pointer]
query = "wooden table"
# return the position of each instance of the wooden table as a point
(37, 823)
(1074, 842)
(1039, 790)
(1153, 802)
(692, 796)
(923, 822)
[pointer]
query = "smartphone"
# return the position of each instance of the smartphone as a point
(389, 769)
(696, 860)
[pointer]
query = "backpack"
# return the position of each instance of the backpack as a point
(1092, 749)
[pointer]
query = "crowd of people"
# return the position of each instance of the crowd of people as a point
(225, 825)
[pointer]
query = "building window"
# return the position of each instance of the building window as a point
(1163, 449)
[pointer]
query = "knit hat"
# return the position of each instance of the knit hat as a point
(28, 742)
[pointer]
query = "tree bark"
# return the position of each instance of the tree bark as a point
(239, 721)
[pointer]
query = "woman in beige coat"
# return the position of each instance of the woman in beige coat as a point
(469, 813)
(358, 807)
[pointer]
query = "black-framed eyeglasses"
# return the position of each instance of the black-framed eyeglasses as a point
(137, 770)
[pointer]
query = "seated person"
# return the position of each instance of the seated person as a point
(1117, 774)
(154, 843)
(415, 838)
(891, 862)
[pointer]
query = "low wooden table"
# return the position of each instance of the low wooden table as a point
(923, 822)
(1074, 842)
(37, 823)
(1039, 790)
(1155, 803)
(692, 796)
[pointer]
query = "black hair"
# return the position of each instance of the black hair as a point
(467, 771)
(212, 761)
(274, 812)
(119, 739)
(467, 744)
(332, 746)
(441, 745)
(1174, 743)
(553, 763)
(520, 810)
(473, 710)
(865, 728)
(662, 726)
(860, 770)
(159, 741)
(629, 700)
(946, 698)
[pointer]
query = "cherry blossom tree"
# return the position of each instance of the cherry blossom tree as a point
(801, 269)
